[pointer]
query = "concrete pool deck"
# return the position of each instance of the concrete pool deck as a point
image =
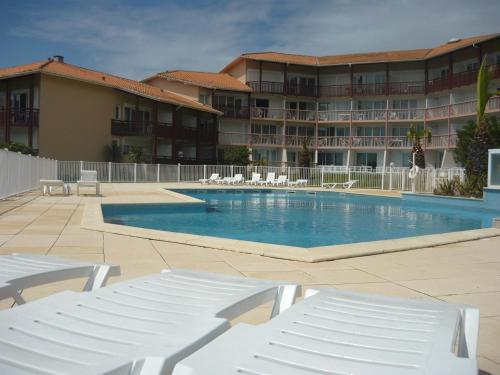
(465, 272)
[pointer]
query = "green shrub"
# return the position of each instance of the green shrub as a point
(18, 147)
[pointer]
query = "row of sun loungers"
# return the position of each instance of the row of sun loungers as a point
(270, 180)
(176, 322)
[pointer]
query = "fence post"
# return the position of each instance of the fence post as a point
(322, 175)
(383, 177)
(109, 172)
(390, 176)
(57, 170)
(179, 172)
(348, 173)
(204, 171)
(135, 172)
(81, 165)
(232, 170)
(403, 179)
(158, 173)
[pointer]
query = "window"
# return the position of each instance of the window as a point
(399, 132)
(372, 131)
(263, 129)
(406, 157)
(117, 112)
(204, 99)
(330, 158)
(263, 103)
(366, 159)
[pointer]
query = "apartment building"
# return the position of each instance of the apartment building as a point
(352, 109)
(71, 113)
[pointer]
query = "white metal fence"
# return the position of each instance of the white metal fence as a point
(367, 178)
(20, 173)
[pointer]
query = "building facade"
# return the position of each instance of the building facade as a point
(71, 113)
(352, 110)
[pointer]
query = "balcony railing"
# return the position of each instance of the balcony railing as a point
(369, 115)
(369, 89)
(406, 114)
(131, 128)
(233, 111)
(300, 115)
(335, 90)
(266, 87)
(406, 88)
(299, 140)
(334, 116)
(332, 142)
(300, 90)
(20, 117)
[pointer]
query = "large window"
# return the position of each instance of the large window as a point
(330, 158)
(399, 132)
(371, 131)
(267, 155)
(366, 159)
(263, 129)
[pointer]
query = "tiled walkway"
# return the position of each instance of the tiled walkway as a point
(467, 272)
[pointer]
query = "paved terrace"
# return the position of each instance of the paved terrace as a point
(467, 272)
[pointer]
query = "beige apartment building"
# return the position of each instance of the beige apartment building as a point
(353, 109)
(70, 113)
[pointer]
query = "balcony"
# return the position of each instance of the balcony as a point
(334, 116)
(437, 142)
(20, 117)
(369, 89)
(413, 114)
(233, 111)
(131, 128)
(369, 115)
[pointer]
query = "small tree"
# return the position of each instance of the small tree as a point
(478, 149)
(237, 156)
(305, 156)
(135, 154)
(415, 135)
(114, 153)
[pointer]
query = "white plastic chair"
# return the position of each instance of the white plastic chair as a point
(213, 178)
(255, 179)
(269, 179)
(141, 326)
(237, 179)
(88, 179)
(335, 332)
(19, 271)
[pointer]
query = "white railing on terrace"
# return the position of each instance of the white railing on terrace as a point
(21, 173)
(368, 178)
(466, 108)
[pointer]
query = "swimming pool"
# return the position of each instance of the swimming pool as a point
(299, 219)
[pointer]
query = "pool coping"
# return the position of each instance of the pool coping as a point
(93, 220)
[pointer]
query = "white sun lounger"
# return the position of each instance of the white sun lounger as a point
(225, 180)
(88, 179)
(281, 180)
(269, 179)
(213, 178)
(20, 271)
(142, 326)
(237, 179)
(255, 179)
(297, 183)
(47, 185)
(345, 185)
(335, 332)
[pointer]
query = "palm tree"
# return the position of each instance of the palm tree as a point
(478, 150)
(415, 135)
(305, 156)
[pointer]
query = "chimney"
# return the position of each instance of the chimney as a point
(58, 58)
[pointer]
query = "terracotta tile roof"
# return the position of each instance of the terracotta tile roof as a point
(57, 68)
(362, 58)
(220, 81)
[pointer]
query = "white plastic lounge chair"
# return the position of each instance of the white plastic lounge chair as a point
(47, 185)
(269, 179)
(255, 179)
(336, 332)
(213, 178)
(281, 180)
(298, 183)
(345, 185)
(225, 180)
(142, 326)
(88, 179)
(237, 179)
(23, 270)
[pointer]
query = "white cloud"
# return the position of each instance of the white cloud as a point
(136, 41)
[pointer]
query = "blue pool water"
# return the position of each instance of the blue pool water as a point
(299, 219)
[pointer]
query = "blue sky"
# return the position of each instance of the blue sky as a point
(138, 38)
